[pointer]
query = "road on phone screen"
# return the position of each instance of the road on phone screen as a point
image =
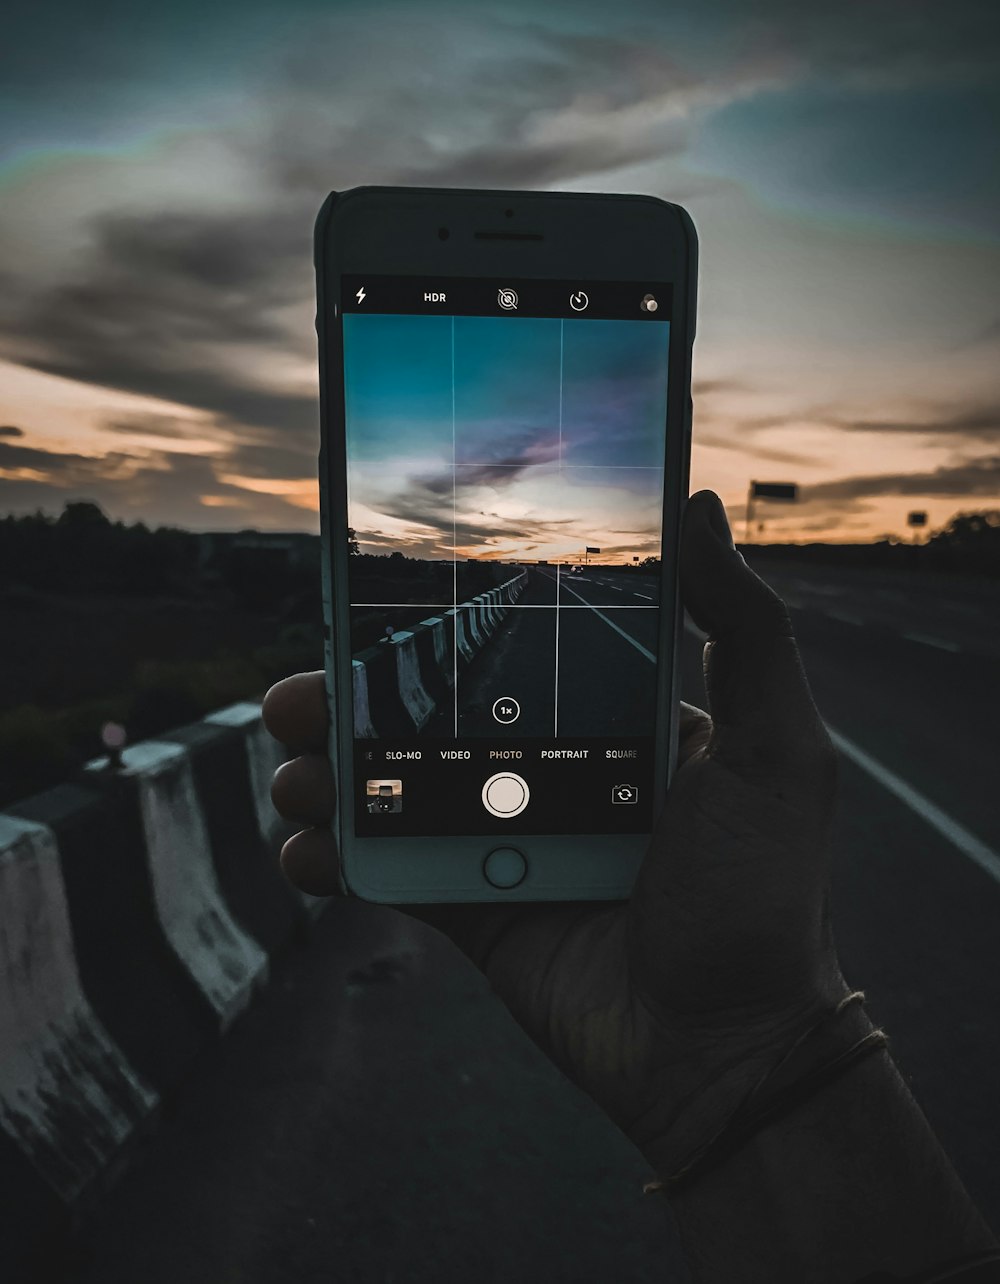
(379, 1116)
(596, 652)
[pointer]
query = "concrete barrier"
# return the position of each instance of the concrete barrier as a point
(224, 960)
(469, 616)
(362, 713)
(481, 614)
(463, 645)
(233, 759)
(132, 977)
(496, 605)
(68, 1098)
(387, 714)
(139, 908)
(416, 701)
(400, 698)
(437, 669)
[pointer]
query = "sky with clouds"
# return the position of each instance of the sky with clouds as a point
(505, 438)
(161, 169)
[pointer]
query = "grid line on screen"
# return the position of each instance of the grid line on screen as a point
(511, 606)
(454, 536)
(555, 703)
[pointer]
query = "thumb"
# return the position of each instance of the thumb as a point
(765, 719)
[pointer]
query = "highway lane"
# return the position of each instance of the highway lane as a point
(593, 659)
(379, 1116)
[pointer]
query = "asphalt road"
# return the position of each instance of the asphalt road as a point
(586, 673)
(378, 1116)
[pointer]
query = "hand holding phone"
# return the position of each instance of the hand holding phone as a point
(723, 951)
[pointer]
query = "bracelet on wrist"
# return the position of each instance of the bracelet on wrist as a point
(817, 1057)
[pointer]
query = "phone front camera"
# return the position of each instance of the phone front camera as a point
(443, 233)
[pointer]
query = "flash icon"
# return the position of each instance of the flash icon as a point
(360, 294)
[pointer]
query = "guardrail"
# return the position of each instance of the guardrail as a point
(139, 910)
(402, 681)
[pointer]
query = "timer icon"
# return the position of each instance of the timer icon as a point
(578, 301)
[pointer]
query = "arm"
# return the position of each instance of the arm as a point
(851, 1182)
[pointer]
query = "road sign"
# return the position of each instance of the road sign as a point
(593, 550)
(775, 490)
(916, 519)
(767, 490)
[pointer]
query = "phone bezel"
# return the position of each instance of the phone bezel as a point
(607, 236)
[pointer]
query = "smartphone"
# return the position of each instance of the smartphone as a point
(505, 434)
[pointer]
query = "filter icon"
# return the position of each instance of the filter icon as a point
(507, 298)
(648, 303)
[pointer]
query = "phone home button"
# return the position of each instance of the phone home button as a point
(505, 867)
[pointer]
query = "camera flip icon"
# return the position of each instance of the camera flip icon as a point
(624, 794)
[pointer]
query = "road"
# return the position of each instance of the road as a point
(379, 1117)
(581, 671)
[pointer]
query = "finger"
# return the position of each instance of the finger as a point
(762, 709)
(310, 861)
(295, 713)
(304, 790)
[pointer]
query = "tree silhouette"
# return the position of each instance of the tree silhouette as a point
(82, 513)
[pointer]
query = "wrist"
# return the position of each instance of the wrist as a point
(720, 1077)
(849, 1182)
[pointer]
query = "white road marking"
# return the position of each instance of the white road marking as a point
(967, 843)
(938, 642)
(615, 587)
(611, 625)
(647, 596)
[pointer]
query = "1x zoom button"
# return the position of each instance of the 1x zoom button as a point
(505, 795)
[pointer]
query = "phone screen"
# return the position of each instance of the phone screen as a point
(505, 447)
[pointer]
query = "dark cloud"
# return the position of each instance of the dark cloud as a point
(977, 423)
(8, 430)
(870, 43)
(753, 451)
(707, 387)
(972, 423)
(153, 425)
(50, 462)
(153, 296)
(973, 477)
(161, 489)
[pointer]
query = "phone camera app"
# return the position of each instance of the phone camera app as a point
(384, 796)
(624, 794)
